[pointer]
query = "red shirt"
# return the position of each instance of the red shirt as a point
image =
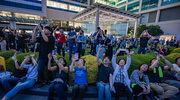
(60, 38)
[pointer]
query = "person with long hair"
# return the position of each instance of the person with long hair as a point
(59, 84)
(140, 81)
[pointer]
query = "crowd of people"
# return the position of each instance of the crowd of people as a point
(148, 81)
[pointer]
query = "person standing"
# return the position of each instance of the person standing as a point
(72, 43)
(144, 37)
(61, 41)
(21, 40)
(10, 37)
(94, 42)
(81, 40)
(2, 41)
(100, 38)
(46, 45)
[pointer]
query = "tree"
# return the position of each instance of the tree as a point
(153, 30)
(130, 32)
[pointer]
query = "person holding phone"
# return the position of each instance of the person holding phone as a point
(155, 75)
(100, 37)
(61, 41)
(11, 34)
(46, 45)
(104, 81)
(59, 84)
(72, 43)
(144, 37)
(8, 83)
(81, 40)
(28, 81)
(80, 83)
(120, 76)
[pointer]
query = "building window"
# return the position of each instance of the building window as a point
(120, 2)
(57, 4)
(75, 8)
(148, 4)
(166, 2)
(134, 7)
(170, 14)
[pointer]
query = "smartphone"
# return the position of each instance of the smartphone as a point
(76, 56)
(122, 49)
(53, 52)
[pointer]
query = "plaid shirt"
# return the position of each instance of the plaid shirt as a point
(120, 77)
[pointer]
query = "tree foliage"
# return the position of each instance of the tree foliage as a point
(130, 32)
(153, 30)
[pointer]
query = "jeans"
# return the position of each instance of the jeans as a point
(164, 90)
(26, 46)
(59, 49)
(60, 90)
(8, 82)
(78, 89)
(93, 49)
(143, 49)
(173, 83)
(80, 50)
(71, 46)
(103, 90)
(28, 83)
(41, 65)
(3, 45)
(101, 52)
(121, 88)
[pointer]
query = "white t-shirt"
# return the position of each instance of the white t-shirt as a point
(176, 68)
(31, 74)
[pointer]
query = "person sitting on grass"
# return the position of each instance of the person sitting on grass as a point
(25, 82)
(80, 83)
(104, 81)
(60, 82)
(120, 76)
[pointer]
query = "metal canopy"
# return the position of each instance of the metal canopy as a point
(106, 13)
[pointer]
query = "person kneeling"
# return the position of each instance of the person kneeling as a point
(80, 85)
(26, 82)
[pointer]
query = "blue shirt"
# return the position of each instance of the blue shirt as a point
(95, 41)
(82, 38)
(71, 34)
(80, 76)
